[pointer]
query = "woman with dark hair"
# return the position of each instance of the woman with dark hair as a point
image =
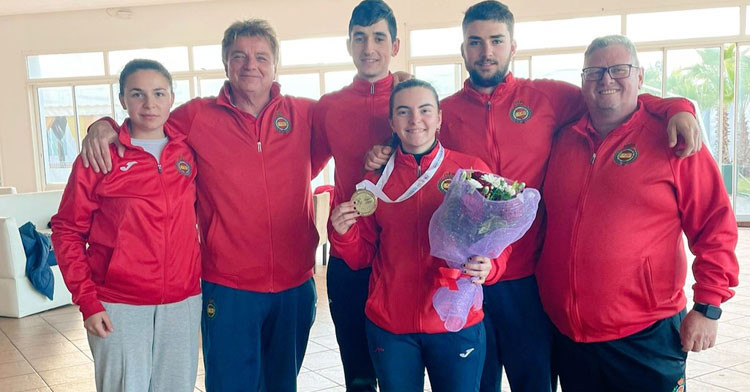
(127, 246)
(405, 334)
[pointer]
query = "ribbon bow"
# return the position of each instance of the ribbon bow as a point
(447, 277)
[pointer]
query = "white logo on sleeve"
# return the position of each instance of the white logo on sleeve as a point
(128, 166)
(466, 354)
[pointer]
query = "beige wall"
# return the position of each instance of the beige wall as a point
(203, 23)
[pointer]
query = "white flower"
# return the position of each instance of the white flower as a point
(476, 184)
(496, 181)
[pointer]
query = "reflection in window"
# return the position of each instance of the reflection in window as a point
(301, 85)
(59, 138)
(174, 59)
(65, 65)
(571, 32)
(207, 57)
(442, 77)
(565, 67)
(92, 103)
(658, 26)
(436, 42)
(336, 80)
(652, 72)
(310, 51)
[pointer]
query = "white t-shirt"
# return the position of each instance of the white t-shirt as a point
(152, 146)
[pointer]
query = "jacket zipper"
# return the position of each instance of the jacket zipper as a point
(167, 219)
(493, 141)
(420, 326)
(575, 311)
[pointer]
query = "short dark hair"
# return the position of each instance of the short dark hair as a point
(369, 12)
(411, 83)
(489, 10)
(249, 28)
(138, 64)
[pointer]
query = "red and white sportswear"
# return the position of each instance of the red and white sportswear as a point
(139, 224)
(394, 241)
(613, 261)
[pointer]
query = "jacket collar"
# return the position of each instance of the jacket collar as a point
(380, 87)
(225, 96)
(404, 158)
(474, 95)
(126, 139)
(585, 127)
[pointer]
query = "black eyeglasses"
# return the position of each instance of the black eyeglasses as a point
(617, 71)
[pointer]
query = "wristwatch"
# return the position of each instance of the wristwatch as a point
(710, 311)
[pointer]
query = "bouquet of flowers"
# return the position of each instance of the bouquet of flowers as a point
(481, 214)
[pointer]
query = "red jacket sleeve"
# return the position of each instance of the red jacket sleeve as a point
(566, 100)
(358, 245)
(70, 231)
(665, 108)
(320, 150)
(709, 224)
(181, 118)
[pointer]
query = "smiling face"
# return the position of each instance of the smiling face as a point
(147, 97)
(488, 49)
(250, 65)
(415, 119)
(607, 98)
(371, 48)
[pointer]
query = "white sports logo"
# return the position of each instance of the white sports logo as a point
(128, 166)
(466, 354)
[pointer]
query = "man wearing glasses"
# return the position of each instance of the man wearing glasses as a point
(613, 265)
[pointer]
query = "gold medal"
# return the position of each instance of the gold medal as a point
(365, 202)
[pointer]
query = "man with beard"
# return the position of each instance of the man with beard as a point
(510, 123)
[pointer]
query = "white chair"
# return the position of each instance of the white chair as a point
(17, 297)
(321, 210)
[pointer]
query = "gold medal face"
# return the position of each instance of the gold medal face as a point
(365, 202)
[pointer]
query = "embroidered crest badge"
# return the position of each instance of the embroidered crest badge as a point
(211, 309)
(520, 113)
(183, 167)
(626, 155)
(445, 182)
(282, 124)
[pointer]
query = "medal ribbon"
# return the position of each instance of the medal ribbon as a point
(377, 189)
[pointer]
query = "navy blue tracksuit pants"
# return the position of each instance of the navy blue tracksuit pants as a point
(255, 341)
(519, 337)
(453, 359)
(347, 295)
(651, 360)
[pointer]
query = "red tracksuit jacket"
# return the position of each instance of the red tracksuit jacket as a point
(346, 124)
(139, 224)
(254, 198)
(395, 243)
(512, 130)
(613, 260)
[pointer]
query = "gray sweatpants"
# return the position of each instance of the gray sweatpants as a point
(152, 348)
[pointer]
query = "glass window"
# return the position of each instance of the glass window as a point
(436, 42)
(59, 137)
(65, 65)
(658, 26)
(442, 77)
(207, 57)
(92, 103)
(210, 87)
(694, 74)
(175, 59)
(521, 68)
(565, 67)
(742, 201)
(336, 80)
(652, 72)
(309, 51)
(301, 85)
(570, 32)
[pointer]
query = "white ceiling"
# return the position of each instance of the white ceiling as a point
(18, 7)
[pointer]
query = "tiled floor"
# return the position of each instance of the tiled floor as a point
(49, 351)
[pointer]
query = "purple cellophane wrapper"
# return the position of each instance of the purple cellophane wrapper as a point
(465, 225)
